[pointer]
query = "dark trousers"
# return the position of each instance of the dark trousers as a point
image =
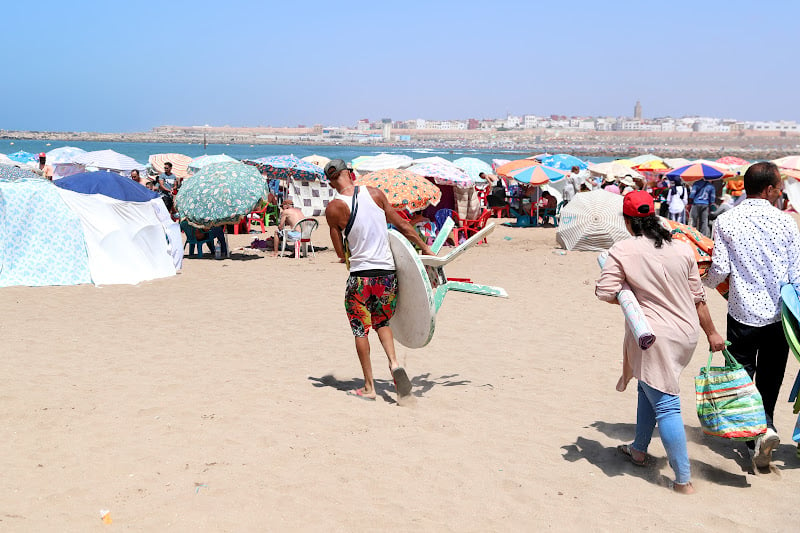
(763, 352)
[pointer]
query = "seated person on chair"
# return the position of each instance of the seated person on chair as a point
(548, 203)
(290, 215)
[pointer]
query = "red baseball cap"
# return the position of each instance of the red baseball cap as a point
(42, 154)
(638, 204)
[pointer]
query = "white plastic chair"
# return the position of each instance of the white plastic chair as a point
(305, 227)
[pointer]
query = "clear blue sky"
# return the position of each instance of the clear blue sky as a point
(93, 65)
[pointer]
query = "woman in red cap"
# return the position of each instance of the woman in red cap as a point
(663, 276)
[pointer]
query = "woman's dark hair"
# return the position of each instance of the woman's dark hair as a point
(651, 228)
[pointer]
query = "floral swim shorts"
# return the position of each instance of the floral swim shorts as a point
(370, 302)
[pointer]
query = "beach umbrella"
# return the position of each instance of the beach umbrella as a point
(676, 162)
(108, 184)
(563, 162)
(473, 166)
(64, 155)
(180, 163)
(284, 167)
(790, 162)
(443, 174)
(204, 160)
(23, 157)
(435, 159)
(730, 160)
(652, 166)
(15, 173)
(108, 160)
(404, 189)
(498, 163)
(625, 162)
(381, 162)
(220, 193)
(695, 172)
(537, 174)
(592, 221)
(506, 168)
(644, 159)
(612, 170)
(319, 160)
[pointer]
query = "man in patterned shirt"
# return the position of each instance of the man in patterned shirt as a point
(759, 247)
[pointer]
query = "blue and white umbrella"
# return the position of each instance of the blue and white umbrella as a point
(282, 167)
(473, 167)
(22, 157)
(15, 173)
(64, 155)
(563, 162)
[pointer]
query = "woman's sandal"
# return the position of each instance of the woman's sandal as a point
(627, 451)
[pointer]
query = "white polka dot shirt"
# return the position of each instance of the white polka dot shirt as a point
(759, 246)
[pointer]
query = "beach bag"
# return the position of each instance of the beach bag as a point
(728, 403)
(349, 226)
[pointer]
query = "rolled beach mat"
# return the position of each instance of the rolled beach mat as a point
(634, 316)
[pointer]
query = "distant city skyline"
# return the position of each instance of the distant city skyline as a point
(89, 65)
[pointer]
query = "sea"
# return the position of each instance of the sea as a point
(142, 151)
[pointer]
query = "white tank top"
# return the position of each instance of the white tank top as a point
(369, 236)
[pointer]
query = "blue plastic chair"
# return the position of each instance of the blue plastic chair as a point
(191, 240)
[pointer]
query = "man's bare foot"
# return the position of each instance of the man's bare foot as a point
(683, 488)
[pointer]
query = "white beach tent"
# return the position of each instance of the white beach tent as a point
(109, 160)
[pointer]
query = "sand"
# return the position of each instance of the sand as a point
(215, 401)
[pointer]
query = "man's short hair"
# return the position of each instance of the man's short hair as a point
(167, 163)
(760, 176)
(575, 169)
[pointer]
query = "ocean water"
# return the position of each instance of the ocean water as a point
(142, 151)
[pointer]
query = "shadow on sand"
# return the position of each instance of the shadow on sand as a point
(384, 388)
(613, 463)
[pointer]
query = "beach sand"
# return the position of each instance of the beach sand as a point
(215, 401)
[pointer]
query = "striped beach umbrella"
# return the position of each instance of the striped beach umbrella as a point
(443, 174)
(204, 160)
(404, 189)
(537, 174)
(506, 168)
(695, 172)
(284, 167)
(180, 163)
(592, 221)
(221, 193)
(381, 162)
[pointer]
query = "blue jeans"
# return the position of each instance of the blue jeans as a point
(656, 406)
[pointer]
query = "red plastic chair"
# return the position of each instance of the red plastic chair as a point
(471, 227)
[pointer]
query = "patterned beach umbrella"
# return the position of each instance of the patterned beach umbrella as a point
(108, 160)
(381, 162)
(613, 170)
(443, 174)
(284, 167)
(404, 189)
(592, 221)
(15, 173)
(537, 174)
(695, 172)
(204, 160)
(473, 166)
(64, 155)
(563, 162)
(221, 193)
(23, 157)
(180, 163)
(319, 160)
(433, 159)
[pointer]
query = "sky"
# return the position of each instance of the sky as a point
(90, 65)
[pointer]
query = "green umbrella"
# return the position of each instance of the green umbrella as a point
(221, 193)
